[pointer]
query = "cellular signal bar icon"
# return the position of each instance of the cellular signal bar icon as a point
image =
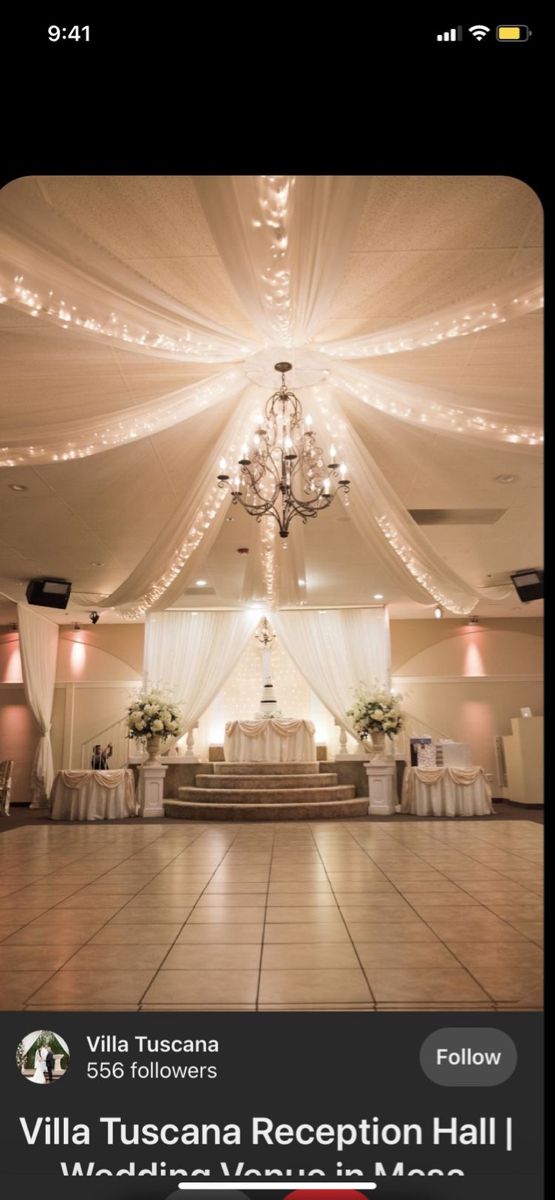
(451, 35)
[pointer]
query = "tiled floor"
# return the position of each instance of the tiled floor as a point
(361, 915)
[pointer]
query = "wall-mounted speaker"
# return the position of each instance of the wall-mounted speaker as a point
(49, 593)
(528, 584)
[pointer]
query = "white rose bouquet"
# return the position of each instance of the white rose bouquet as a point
(152, 715)
(376, 711)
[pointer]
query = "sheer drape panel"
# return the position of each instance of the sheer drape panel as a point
(388, 529)
(284, 241)
(337, 652)
(38, 639)
(162, 574)
(193, 655)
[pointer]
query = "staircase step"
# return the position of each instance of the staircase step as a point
(266, 768)
(322, 810)
(266, 795)
(256, 780)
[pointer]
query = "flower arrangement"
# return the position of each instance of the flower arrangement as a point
(376, 711)
(153, 715)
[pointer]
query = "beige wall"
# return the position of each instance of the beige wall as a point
(466, 681)
(459, 681)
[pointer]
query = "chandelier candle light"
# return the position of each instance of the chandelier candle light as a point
(284, 474)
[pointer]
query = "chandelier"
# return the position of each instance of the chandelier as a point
(265, 634)
(283, 473)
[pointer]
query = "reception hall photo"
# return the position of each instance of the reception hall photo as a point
(271, 593)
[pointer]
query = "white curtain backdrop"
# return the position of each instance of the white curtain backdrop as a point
(337, 651)
(193, 655)
(38, 638)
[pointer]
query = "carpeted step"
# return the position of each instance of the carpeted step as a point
(322, 810)
(256, 780)
(262, 795)
(266, 768)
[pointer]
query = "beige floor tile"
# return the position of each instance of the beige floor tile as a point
(17, 986)
(304, 986)
(429, 887)
(118, 934)
(405, 954)
(285, 886)
(199, 987)
(101, 907)
(302, 900)
(424, 984)
(151, 916)
(308, 914)
(308, 956)
(531, 929)
(394, 910)
(505, 971)
(25, 958)
(473, 926)
(232, 900)
(304, 931)
(236, 888)
(117, 958)
(92, 987)
(195, 1007)
(221, 934)
(390, 931)
(213, 957)
(52, 934)
(226, 916)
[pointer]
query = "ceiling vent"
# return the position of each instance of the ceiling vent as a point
(456, 516)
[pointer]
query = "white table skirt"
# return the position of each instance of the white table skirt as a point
(274, 739)
(93, 795)
(446, 792)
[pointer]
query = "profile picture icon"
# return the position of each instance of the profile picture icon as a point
(42, 1057)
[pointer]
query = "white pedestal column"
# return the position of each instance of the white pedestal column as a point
(151, 790)
(380, 788)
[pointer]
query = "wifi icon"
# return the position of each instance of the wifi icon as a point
(479, 31)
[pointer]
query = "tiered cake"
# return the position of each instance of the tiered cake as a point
(268, 703)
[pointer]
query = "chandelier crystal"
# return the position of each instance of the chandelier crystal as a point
(283, 473)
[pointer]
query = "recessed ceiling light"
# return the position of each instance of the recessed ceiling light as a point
(301, 582)
(200, 582)
(505, 478)
(378, 596)
(18, 487)
(229, 519)
(96, 564)
(438, 612)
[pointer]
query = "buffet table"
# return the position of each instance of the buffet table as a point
(271, 739)
(93, 795)
(446, 792)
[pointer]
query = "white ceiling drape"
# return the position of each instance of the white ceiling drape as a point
(193, 654)
(337, 651)
(283, 242)
(38, 641)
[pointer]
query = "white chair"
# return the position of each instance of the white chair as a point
(6, 771)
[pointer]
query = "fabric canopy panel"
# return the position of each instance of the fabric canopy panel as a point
(338, 652)
(283, 249)
(39, 649)
(192, 654)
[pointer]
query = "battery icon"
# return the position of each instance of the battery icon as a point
(513, 33)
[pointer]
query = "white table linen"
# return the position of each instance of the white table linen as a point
(446, 792)
(274, 739)
(93, 795)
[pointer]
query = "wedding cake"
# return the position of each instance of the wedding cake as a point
(268, 703)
